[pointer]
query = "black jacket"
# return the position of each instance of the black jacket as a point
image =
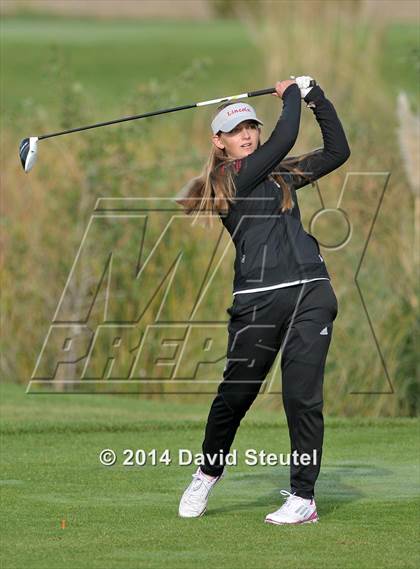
(272, 247)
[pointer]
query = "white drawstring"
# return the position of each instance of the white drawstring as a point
(286, 493)
(289, 495)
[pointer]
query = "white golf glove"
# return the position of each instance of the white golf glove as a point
(303, 82)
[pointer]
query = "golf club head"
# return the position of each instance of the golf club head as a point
(28, 149)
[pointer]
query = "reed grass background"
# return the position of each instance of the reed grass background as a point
(61, 72)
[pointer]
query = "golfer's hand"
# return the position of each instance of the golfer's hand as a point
(281, 87)
(304, 84)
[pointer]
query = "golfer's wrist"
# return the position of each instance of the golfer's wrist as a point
(315, 94)
(290, 89)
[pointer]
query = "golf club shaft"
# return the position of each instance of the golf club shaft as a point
(164, 111)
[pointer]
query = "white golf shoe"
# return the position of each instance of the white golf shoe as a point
(194, 500)
(295, 510)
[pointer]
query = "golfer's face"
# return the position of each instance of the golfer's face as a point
(241, 141)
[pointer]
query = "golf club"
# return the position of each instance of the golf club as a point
(28, 148)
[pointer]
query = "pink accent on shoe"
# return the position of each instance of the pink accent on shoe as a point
(313, 517)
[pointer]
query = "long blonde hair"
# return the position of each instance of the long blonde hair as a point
(214, 189)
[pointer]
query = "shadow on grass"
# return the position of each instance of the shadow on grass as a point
(334, 489)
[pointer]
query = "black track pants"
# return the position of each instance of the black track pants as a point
(261, 323)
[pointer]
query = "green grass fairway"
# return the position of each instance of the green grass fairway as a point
(111, 59)
(401, 61)
(126, 517)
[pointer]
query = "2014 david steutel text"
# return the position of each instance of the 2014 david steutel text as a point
(185, 457)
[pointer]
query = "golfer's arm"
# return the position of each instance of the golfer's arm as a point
(253, 169)
(336, 150)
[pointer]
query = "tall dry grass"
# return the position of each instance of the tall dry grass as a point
(46, 213)
(372, 367)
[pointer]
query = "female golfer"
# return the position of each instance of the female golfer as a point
(283, 297)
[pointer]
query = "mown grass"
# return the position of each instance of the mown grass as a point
(401, 61)
(110, 59)
(102, 55)
(126, 516)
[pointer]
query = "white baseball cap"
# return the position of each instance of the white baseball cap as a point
(232, 115)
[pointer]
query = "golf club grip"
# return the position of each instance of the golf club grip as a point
(262, 92)
(272, 90)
